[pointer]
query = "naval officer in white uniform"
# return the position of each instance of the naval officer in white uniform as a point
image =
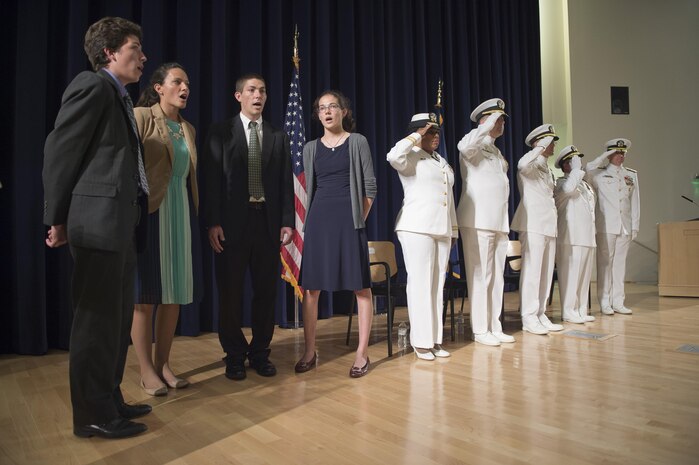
(483, 220)
(535, 220)
(575, 245)
(426, 228)
(617, 218)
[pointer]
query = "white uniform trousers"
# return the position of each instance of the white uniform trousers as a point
(538, 255)
(611, 268)
(426, 259)
(574, 264)
(484, 252)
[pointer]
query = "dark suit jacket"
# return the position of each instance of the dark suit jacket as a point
(224, 183)
(90, 166)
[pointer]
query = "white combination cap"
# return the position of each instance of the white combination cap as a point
(539, 133)
(568, 152)
(494, 105)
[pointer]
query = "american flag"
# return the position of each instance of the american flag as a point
(293, 125)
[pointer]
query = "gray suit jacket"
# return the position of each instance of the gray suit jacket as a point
(90, 166)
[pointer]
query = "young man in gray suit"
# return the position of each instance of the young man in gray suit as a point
(95, 199)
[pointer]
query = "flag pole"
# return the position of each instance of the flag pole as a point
(289, 275)
(296, 60)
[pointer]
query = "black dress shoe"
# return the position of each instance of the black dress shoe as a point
(133, 411)
(235, 369)
(263, 367)
(115, 429)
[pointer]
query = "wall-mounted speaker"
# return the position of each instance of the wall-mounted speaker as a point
(620, 100)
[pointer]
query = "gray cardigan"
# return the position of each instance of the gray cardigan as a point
(362, 180)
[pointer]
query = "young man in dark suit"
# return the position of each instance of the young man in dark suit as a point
(95, 197)
(248, 206)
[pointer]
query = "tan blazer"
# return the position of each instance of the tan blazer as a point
(159, 153)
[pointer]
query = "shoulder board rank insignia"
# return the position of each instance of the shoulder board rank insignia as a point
(632, 170)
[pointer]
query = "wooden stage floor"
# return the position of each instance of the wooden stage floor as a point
(629, 398)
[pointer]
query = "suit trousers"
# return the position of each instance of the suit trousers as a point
(574, 264)
(426, 259)
(103, 301)
(538, 254)
(485, 252)
(253, 249)
(611, 268)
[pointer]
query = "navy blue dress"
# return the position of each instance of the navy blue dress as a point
(335, 254)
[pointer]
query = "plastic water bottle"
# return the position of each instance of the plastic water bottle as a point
(403, 335)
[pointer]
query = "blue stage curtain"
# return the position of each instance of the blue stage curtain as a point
(385, 55)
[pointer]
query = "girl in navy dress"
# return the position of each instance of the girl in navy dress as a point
(341, 188)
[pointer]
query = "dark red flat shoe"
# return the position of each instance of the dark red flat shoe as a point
(357, 372)
(302, 367)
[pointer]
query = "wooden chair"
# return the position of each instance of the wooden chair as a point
(455, 284)
(384, 270)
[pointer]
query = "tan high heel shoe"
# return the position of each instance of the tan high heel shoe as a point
(156, 392)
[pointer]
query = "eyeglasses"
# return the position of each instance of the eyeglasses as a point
(330, 106)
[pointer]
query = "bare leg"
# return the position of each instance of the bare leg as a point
(310, 318)
(366, 313)
(142, 337)
(165, 324)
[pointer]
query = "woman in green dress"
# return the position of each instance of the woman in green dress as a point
(164, 275)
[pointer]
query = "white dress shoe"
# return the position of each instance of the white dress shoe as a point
(486, 339)
(607, 311)
(587, 318)
(424, 354)
(534, 326)
(574, 317)
(546, 323)
(502, 337)
(623, 310)
(437, 351)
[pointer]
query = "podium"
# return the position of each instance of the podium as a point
(678, 259)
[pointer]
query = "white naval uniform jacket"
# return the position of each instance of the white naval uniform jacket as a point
(618, 199)
(575, 202)
(536, 212)
(428, 200)
(485, 186)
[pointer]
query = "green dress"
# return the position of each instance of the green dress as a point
(174, 231)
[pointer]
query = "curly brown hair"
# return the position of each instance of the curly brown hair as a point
(108, 33)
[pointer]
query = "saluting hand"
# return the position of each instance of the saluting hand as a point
(575, 163)
(544, 142)
(422, 131)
